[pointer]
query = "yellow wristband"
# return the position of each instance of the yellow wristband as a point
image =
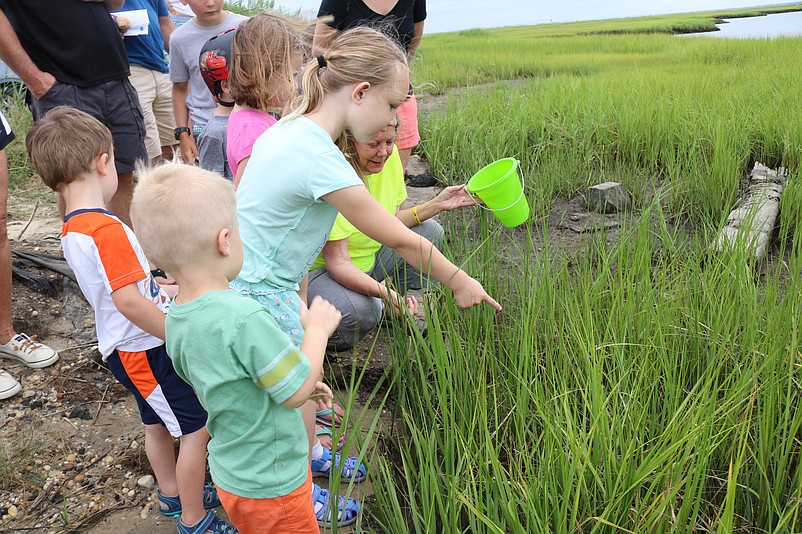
(415, 215)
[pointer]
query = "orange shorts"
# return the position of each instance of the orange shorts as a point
(408, 135)
(292, 513)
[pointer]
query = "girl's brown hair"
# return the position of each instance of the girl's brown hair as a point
(261, 74)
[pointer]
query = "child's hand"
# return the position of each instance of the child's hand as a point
(468, 292)
(320, 315)
(322, 396)
(166, 282)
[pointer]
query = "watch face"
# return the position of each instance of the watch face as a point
(178, 131)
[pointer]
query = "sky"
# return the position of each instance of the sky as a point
(454, 15)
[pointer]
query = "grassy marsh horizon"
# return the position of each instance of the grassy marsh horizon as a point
(645, 383)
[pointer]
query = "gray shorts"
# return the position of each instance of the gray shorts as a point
(362, 313)
(113, 103)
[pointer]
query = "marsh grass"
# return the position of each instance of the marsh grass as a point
(690, 116)
(646, 383)
(15, 462)
(19, 117)
(647, 387)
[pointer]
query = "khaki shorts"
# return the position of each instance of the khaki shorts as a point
(155, 92)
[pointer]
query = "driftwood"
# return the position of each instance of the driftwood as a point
(37, 282)
(53, 263)
(753, 221)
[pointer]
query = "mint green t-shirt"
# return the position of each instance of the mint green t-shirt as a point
(387, 187)
(242, 367)
(284, 221)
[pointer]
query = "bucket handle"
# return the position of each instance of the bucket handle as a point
(481, 204)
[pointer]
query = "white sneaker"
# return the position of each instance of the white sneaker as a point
(28, 351)
(8, 385)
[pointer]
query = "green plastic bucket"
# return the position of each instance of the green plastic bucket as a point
(500, 187)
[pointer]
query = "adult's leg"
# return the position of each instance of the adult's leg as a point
(144, 83)
(165, 118)
(19, 347)
(404, 154)
(6, 328)
(405, 276)
(123, 116)
(120, 203)
(408, 135)
(360, 313)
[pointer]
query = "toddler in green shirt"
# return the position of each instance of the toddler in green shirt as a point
(246, 372)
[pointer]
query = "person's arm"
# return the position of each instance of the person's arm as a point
(324, 35)
(189, 150)
(240, 170)
(452, 197)
(20, 62)
(139, 310)
(303, 287)
(372, 219)
(166, 25)
(416, 37)
(344, 272)
(319, 322)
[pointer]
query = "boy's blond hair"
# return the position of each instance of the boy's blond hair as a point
(63, 144)
(178, 210)
(261, 68)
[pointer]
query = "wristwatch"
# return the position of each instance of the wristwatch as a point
(178, 131)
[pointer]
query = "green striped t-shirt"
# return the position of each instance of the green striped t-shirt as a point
(242, 367)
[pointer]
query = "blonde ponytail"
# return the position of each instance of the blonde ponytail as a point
(356, 55)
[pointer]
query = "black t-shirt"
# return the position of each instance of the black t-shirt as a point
(77, 42)
(351, 13)
(6, 135)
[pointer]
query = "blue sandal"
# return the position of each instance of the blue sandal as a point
(347, 509)
(350, 467)
(210, 523)
(173, 504)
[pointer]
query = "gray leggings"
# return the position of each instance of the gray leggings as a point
(361, 313)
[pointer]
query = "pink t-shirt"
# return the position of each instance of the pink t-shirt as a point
(244, 128)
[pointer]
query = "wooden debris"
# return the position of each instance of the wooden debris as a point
(753, 221)
(47, 261)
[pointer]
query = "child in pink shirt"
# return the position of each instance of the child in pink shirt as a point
(268, 55)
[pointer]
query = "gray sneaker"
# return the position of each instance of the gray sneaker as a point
(8, 385)
(30, 352)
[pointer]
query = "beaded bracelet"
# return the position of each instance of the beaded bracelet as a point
(415, 215)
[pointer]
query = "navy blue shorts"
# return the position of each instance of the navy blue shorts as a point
(162, 396)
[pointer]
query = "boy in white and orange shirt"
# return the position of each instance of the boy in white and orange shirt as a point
(72, 152)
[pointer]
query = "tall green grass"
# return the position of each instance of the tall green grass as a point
(20, 169)
(648, 387)
(643, 383)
